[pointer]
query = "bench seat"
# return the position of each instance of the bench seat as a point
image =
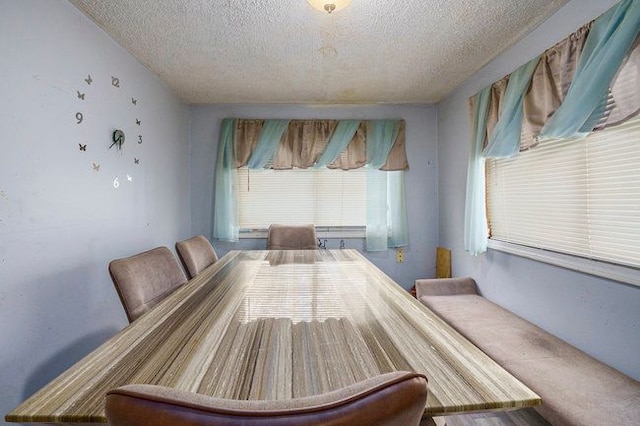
(576, 389)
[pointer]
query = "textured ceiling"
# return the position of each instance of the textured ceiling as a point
(284, 51)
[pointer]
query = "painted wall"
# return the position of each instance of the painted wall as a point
(62, 221)
(599, 316)
(420, 179)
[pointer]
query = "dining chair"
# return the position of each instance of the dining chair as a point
(396, 398)
(196, 254)
(145, 279)
(292, 237)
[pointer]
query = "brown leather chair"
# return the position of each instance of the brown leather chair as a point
(396, 398)
(196, 254)
(145, 279)
(292, 237)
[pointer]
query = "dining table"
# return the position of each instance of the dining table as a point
(282, 324)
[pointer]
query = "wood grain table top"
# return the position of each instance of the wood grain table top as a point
(281, 325)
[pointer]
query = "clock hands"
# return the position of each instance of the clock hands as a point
(118, 139)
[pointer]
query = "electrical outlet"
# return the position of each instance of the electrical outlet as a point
(400, 255)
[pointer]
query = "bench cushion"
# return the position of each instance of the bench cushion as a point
(575, 388)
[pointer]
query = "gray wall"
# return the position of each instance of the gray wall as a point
(601, 317)
(420, 179)
(60, 220)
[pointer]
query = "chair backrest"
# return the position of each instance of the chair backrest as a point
(196, 254)
(292, 237)
(397, 398)
(145, 279)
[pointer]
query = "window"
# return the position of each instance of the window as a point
(325, 197)
(579, 197)
(569, 201)
(288, 148)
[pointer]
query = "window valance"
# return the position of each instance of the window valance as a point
(583, 84)
(336, 144)
(586, 82)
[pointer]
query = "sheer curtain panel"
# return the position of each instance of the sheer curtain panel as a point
(225, 224)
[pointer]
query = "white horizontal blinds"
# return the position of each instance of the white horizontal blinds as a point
(580, 197)
(323, 197)
(521, 190)
(341, 197)
(614, 193)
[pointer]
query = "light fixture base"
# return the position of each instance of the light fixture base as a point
(329, 6)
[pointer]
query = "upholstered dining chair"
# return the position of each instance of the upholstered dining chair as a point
(292, 237)
(396, 398)
(196, 254)
(145, 279)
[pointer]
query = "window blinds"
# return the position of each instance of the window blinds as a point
(324, 197)
(580, 197)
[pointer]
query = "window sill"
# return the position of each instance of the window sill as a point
(610, 271)
(321, 232)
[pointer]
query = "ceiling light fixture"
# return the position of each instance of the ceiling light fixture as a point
(329, 6)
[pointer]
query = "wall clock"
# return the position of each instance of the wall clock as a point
(103, 103)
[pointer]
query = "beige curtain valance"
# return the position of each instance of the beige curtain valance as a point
(304, 141)
(551, 80)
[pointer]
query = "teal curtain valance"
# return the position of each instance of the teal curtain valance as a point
(342, 135)
(270, 137)
(607, 45)
(336, 144)
(505, 138)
